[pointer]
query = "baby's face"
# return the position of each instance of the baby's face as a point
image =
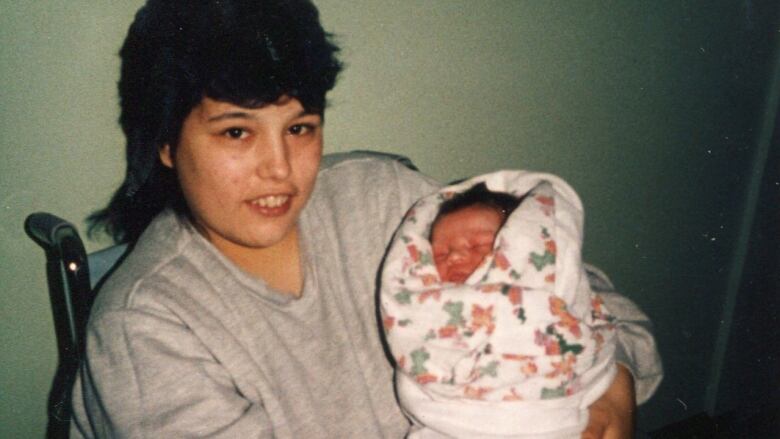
(461, 240)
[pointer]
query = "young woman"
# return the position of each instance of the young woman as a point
(246, 307)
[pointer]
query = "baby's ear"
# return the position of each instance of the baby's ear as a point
(165, 156)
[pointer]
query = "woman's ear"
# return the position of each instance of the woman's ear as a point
(165, 156)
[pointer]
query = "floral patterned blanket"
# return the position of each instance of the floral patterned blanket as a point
(524, 332)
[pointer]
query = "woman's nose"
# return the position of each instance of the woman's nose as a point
(273, 158)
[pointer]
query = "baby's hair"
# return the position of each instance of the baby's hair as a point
(479, 195)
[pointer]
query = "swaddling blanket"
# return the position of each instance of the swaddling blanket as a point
(523, 346)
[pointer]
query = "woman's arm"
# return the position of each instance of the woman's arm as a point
(612, 415)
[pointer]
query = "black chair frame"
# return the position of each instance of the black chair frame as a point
(67, 274)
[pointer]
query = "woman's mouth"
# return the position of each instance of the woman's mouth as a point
(271, 205)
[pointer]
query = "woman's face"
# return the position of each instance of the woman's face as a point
(246, 173)
(460, 241)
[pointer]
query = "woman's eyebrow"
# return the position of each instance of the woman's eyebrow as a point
(246, 115)
(230, 115)
(305, 113)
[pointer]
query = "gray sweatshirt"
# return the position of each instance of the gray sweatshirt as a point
(182, 343)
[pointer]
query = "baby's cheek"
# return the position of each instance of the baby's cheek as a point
(475, 260)
(442, 270)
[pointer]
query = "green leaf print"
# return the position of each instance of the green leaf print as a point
(419, 357)
(490, 370)
(455, 310)
(541, 261)
(521, 314)
(558, 392)
(566, 347)
(404, 297)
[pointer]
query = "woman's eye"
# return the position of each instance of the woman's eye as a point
(235, 133)
(301, 129)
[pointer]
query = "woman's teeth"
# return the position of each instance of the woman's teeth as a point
(272, 201)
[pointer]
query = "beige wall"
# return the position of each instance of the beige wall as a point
(651, 112)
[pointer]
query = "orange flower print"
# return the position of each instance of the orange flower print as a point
(448, 331)
(568, 321)
(489, 288)
(548, 204)
(529, 368)
(425, 295)
(557, 306)
(413, 252)
(550, 278)
(388, 323)
(448, 194)
(550, 246)
(425, 378)
(482, 318)
(545, 201)
(515, 295)
(599, 312)
(550, 344)
(512, 396)
(429, 279)
(501, 261)
(516, 357)
(596, 303)
(552, 347)
(476, 392)
(564, 367)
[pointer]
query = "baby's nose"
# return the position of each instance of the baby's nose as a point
(457, 256)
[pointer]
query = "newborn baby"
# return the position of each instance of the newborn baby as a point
(488, 313)
(465, 228)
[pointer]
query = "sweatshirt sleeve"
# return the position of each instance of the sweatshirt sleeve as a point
(636, 347)
(147, 375)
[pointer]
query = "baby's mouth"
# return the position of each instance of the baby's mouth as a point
(458, 277)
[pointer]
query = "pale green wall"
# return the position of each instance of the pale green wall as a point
(647, 110)
(60, 150)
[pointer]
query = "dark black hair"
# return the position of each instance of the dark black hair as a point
(177, 52)
(479, 195)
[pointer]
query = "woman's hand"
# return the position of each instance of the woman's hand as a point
(612, 415)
